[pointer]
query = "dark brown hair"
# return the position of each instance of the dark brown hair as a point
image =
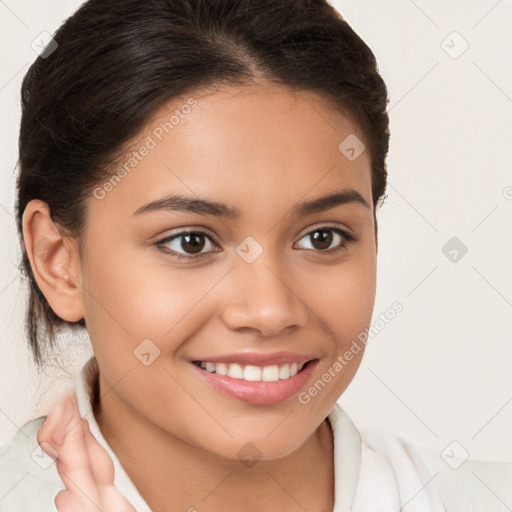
(118, 61)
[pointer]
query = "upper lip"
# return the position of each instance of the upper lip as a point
(260, 358)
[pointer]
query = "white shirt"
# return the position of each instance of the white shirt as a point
(372, 472)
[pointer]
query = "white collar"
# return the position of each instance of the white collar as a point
(347, 447)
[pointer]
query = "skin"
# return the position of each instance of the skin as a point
(84, 466)
(261, 148)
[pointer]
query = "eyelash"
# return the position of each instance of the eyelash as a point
(349, 238)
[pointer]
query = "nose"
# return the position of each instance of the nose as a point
(263, 299)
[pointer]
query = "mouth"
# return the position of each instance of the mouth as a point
(253, 373)
(256, 384)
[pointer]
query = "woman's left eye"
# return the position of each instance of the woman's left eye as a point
(322, 239)
(193, 242)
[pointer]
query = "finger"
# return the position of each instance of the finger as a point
(51, 437)
(66, 501)
(53, 429)
(84, 466)
(102, 466)
(103, 471)
(116, 501)
(73, 463)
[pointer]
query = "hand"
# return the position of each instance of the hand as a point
(84, 466)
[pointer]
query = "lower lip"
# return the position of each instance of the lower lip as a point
(261, 393)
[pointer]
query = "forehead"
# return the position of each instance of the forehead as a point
(247, 146)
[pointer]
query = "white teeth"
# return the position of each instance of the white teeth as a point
(221, 368)
(284, 371)
(235, 371)
(253, 373)
(270, 373)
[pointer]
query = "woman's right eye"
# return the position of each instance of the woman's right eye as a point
(191, 242)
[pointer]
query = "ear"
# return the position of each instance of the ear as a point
(55, 261)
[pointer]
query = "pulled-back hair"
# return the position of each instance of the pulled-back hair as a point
(118, 61)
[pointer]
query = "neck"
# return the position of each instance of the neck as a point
(171, 474)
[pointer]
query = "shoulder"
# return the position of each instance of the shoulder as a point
(450, 479)
(29, 480)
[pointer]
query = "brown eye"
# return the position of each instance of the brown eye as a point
(322, 239)
(192, 242)
(187, 244)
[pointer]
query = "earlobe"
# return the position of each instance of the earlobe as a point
(54, 261)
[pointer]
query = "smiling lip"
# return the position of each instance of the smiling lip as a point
(258, 392)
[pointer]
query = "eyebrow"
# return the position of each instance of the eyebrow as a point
(180, 203)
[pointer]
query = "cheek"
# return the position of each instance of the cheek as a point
(343, 302)
(137, 297)
(343, 296)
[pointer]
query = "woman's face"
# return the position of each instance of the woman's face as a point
(272, 272)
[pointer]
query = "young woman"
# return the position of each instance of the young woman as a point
(198, 188)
